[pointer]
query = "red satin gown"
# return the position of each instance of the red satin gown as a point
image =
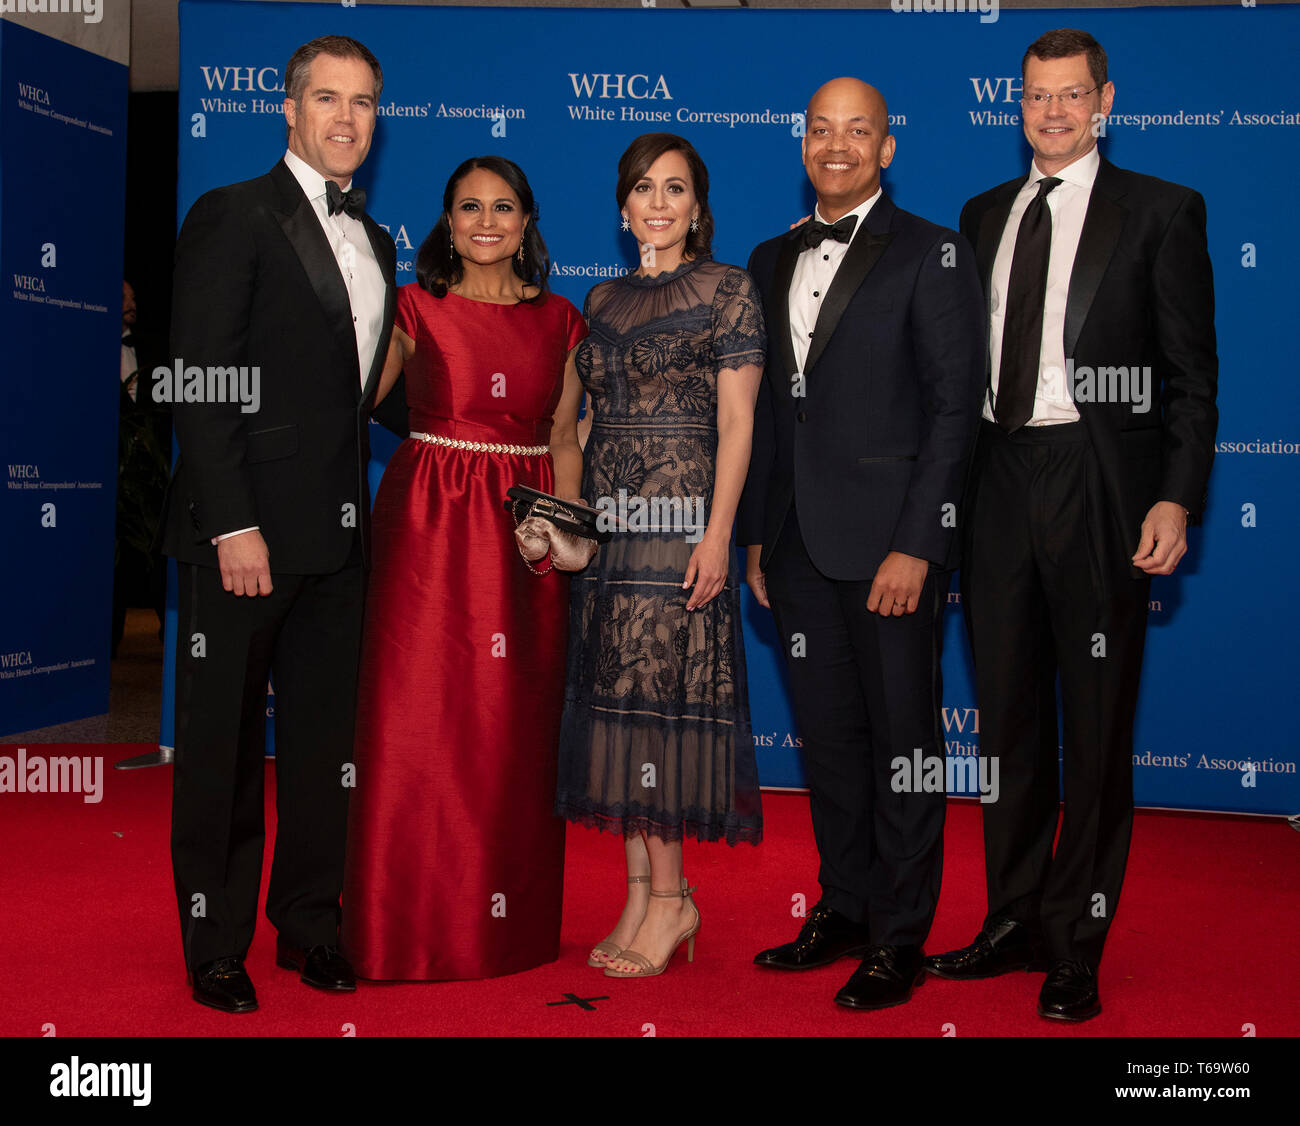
(454, 856)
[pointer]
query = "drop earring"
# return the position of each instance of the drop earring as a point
(520, 255)
(626, 225)
(695, 224)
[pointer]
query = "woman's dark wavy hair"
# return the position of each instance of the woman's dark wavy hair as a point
(437, 267)
(636, 162)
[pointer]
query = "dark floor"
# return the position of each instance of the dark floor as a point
(134, 696)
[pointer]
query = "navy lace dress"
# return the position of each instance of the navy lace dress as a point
(655, 735)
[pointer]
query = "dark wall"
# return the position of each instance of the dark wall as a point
(151, 208)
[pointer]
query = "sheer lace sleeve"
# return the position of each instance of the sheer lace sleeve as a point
(739, 336)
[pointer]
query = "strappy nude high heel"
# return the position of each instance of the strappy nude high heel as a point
(612, 950)
(645, 968)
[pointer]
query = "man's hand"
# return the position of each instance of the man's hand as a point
(245, 564)
(754, 577)
(896, 589)
(1164, 539)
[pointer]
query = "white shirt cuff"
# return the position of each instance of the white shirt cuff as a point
(227, 535)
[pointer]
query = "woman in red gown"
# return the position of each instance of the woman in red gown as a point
(454, 856)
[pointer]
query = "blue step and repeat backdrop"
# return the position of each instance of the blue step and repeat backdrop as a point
(562, 92)
(62, 185)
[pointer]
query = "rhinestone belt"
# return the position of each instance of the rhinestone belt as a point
(481, 447)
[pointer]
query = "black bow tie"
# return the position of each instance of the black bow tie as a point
(353, 201)
(128, 340)
(815, 233)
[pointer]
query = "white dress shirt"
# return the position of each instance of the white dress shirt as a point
(356, 260)
(814, 270)
(1068, 204)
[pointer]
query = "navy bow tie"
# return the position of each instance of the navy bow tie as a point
(353, 201)
(815, 233)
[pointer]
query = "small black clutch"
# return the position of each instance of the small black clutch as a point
(569, 516)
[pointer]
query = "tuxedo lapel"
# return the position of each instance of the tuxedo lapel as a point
(1101, 230)
(779, 328)
(864, 252)
(303, 230)
(989, 236)
(388, 267)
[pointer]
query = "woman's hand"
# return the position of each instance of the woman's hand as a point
(707, 569)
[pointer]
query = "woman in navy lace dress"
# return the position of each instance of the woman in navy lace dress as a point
(655, 742)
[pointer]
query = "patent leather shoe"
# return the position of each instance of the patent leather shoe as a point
(998, 949)
(322, 967)
(1070, 992)
(825, 937)
(887, 976)
(224, 984)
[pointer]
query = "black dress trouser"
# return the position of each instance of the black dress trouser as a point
(866, 691)
(1047, 591)
(306, 635)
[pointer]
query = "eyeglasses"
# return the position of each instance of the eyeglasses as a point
(1069, 98)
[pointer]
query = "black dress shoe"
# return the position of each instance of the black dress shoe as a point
(224, 984)
(824, 937)
(1069, 993)
(887, 976)
(323, 967)
(998, 949)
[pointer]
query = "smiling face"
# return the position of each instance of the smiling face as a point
(846, 143)
(487, 219)
(659, 209)
(1061, 133)
(332, 126)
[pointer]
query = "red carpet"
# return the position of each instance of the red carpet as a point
(1204, 942)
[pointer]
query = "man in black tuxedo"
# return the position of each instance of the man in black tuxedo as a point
(1092, 458)
(286, 281)
(861, 434)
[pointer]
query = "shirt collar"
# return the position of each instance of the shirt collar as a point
(1081, 173)
(311, 181)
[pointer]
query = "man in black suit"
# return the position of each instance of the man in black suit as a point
(1092, 458)
(287, 283)
(861, 435)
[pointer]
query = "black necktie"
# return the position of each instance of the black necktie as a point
(353, 201)
(815, 233)
(1022, 325)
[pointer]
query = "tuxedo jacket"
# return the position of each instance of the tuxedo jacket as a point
(873, 453)
(1141, 296)
(256, 284)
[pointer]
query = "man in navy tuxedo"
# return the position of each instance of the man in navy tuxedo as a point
(1092, 459)
(861, 435)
